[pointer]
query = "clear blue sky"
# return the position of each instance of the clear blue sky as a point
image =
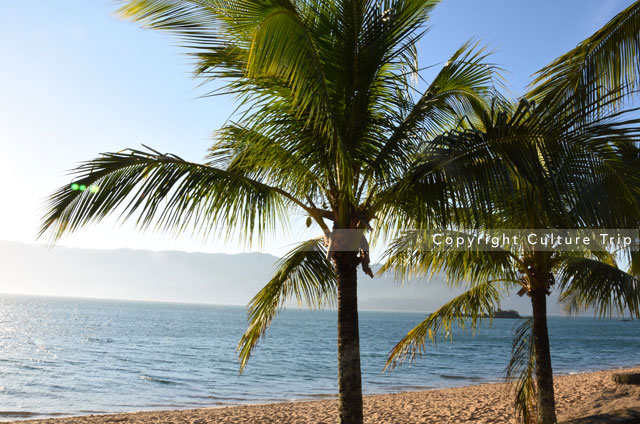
(76, 81)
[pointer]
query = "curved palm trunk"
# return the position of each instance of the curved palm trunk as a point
(349, 375)
(546, 403)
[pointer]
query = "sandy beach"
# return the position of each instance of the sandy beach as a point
(577, 396)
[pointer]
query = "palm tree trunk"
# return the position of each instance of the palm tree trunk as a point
(546, 403)
(349, 375)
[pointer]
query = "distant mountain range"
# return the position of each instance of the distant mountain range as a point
(175, 276)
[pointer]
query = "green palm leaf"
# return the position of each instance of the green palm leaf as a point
(476, 303)
(520, 372)
(589, 283)
(603, 64)
(166, 191)
(459, 89)
(414, 254)
(304, 273)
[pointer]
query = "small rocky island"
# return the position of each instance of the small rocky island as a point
(501, 313)
(509, 313)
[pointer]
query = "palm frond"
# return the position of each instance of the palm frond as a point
(475, 304)
(520, 372)
(451, 182)
(459, 89)
(273, 158)
(304, 273)
(167, 192)
(588, 283)
(188, 18)
(604, 63)
(523, 156)
(423, 253)
(252, 42)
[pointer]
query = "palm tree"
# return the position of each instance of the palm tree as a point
(586, 279)
(573, 181)
(328, 121)
(573, 158)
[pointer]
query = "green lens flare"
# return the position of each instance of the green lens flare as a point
(93, 188)
(82, 187)
(74, 186)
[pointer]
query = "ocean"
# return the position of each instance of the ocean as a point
(62, 356)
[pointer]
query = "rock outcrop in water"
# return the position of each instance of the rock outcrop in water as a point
(500, 313)
(509, 313)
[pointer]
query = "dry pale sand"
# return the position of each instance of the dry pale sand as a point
(577, 396)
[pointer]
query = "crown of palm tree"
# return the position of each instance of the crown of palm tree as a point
(328, 124)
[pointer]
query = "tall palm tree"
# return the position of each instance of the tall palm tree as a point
(586, 279)
(328, 121)
(574, 164)
(561, 178)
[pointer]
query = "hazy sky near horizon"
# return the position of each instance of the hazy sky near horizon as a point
(77, 82)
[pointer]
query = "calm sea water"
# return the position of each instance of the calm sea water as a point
(70, 356)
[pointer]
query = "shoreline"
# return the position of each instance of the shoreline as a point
(578, 394)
